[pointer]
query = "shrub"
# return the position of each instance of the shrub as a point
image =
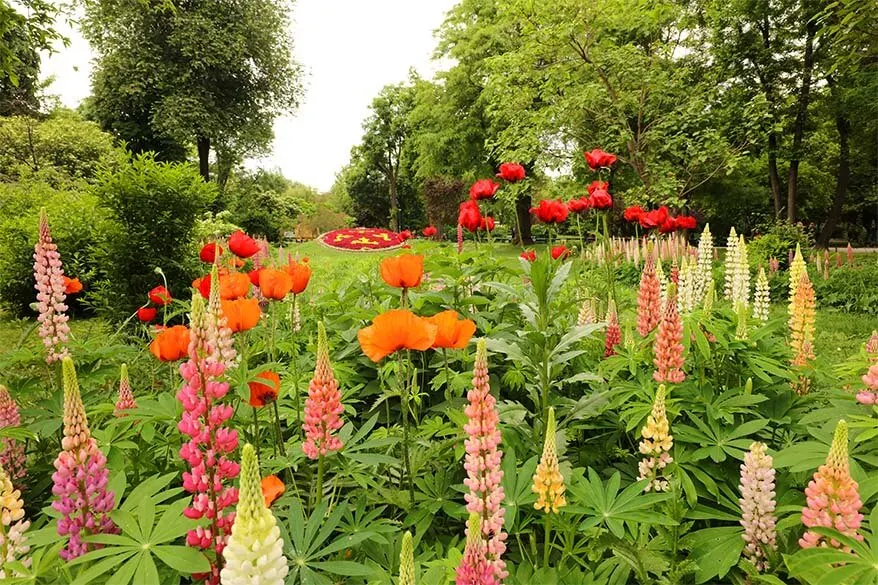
(852, 289)
(776, 240)
(77, 223)
(154, 207)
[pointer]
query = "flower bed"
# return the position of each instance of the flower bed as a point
(362, 239)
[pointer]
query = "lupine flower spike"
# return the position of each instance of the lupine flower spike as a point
(323, 407)
(832, 496)
(709, 297)
(872, 347)
(209, 441)
(704, 270)
(474, 568)
(686, 294)
(757, 505)
(80, 478)
(614, 332)
(126, 397)
(254, 553)
(49, 277)
(483, 460)
(761, 297)
(663, 280)
(548, 483)
(741, 330)
(668, 345)
(656, 445)
(741, 276)
(587, 313)
(802, 322)
(13, 541)
(12, 457)
(797, 269)
(731, 266)
(649, 298)
(407, 560)
(217, 324)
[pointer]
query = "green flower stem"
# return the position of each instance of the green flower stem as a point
(609, 260)
(319, 487)
(404, 405)
(547, 543)
(256, 430)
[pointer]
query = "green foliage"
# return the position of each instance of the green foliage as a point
(776, 240)
(850, 289)
(267, 204)
(154, 207)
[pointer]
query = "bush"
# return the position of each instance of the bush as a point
(776, 240)
(852, 289)
(154, 207)
(77, 223)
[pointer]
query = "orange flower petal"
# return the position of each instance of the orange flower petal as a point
(404, 271)
(394, 330)
(272, 488)
(452, 332)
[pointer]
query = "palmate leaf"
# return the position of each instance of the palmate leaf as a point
(830, 566)
(714, 550)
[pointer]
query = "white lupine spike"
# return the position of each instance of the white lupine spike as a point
(660, 273)
(731, 263)
(704, 270)
(741, 276)
(761, 297)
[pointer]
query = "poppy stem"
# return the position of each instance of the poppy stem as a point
(256, 429)
(404, 405)
(610, 259)
(447, 376)
(279, 446)
(296, 389)
(319, 486)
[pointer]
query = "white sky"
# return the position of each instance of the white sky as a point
(350, 50)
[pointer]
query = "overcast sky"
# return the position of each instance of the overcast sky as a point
(350, 50)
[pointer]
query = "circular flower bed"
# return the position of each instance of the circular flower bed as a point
(362, 239)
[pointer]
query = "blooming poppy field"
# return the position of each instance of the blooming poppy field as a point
(597, 409)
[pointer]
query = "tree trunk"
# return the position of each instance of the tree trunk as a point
(801, 118)
(522, 208)
(203, 145)
(773, 175)
(394, 205)
(842, 178)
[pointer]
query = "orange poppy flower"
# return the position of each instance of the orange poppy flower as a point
(452, 333)
(301, 273)
(72, 286)
(262, 393)
(232, 286)
(394, 330)
(241, 314)
(272, 488)
(404, 271)
(171, 344)
(275, 284)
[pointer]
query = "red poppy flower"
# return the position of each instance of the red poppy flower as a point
(171, 344)
(147, 314)
(560, 252)
(487, 224)
(72, 286)
(687, 222)
(242, 245)
(430, 231)
(529, 255)
(301, 273)
(653, 219)
(633, 213)
(275, 284)
(272, 488)
(159, 296)
(512, 172)
(595, 185)
(406, 235)
(210, 252)
(598, 159)
(403, 271)
(669, 225)
(578, 205)
(253, 275)
(483, 189)
(264, 389)
(600, 199)
(470, 217)
(550, 211)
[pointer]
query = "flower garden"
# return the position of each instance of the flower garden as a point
(596, 410)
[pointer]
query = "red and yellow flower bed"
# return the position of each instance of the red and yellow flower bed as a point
(362, 239)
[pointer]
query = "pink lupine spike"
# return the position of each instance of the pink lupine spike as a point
(649, 302)
(210, 440)
(832, 496)
(49, 277)
(483, 459)
(758, 505)
(126, 396)
(80, 478)
(323, 406)
(474, 567)
(669, 343)
(614, 331)
(12, 458)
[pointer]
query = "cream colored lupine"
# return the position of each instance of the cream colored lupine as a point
(13, 541)
(254, 553)
(587, 313)
(731, 263)
(663, 280)
(741, 276)
(548, 483)
(704, 268)
(407, 560)
(709, 297)
(686, 295)
(741, 330)
(761, 297)
(656, 445)
(797, 269)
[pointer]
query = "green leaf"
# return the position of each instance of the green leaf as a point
(183, 559)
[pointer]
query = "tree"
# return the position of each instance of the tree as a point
(208, 73)
(22, 38)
